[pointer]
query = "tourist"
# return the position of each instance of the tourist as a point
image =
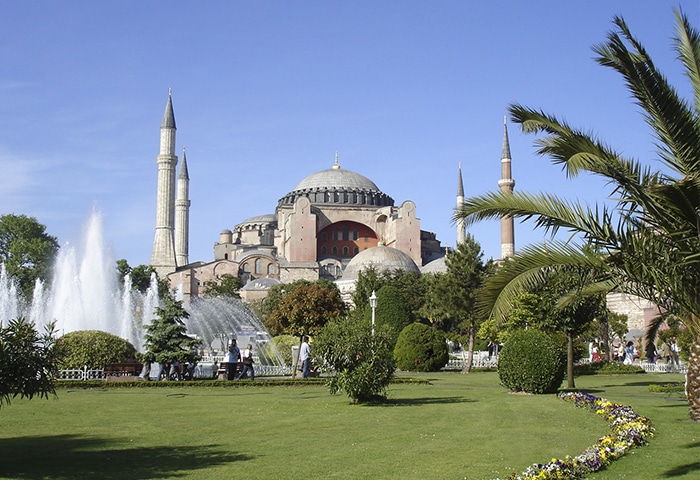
(232, 359)
(174, 372)
(305, 356)
(651, 352)
(163, 372)
(621, 352)
(629, 353)
(666, 352)
(674, 354)
(247, 360)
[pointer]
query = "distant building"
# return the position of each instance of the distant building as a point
(330, 224)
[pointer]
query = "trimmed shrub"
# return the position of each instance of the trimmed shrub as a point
(94, 349)
(421, 349)
(532, 361)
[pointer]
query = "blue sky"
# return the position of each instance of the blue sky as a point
(266, 92)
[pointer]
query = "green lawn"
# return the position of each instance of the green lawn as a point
(456, 427)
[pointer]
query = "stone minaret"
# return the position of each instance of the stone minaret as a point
(163, 255)
(461, 225)
(506, 185)
(182, 214)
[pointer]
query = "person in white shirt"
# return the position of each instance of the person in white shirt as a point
(305, 356)
(247, 360)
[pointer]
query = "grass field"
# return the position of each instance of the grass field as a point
(456, 427)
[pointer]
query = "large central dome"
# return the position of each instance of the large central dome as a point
(336, 186)
(336, 178)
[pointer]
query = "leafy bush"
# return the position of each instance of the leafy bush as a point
(531, 361)
(361, 363)
(93, 348)
(421, 349)
(284, 344)
(606, 368)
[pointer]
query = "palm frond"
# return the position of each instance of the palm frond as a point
(669, 116)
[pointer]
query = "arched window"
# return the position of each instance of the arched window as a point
(335, 250)
(323, 250)
(271, 269)
(345, 251)
(246, 268)
(258, 266)
(356, 251)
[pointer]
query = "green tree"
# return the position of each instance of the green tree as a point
(166, 338)
(225, 285)
(26, 250)
(452, 296)
(392, 311)
(304, 308)
(368, 281)
(648, 245)
(141, 277)
(362, 364)
(28, 361)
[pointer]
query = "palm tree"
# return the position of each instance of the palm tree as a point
(648, 243)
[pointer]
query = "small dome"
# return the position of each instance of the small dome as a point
(382, 258)
(268, 218)
(260, 284)
(436, 266)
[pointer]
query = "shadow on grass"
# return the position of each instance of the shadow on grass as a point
(71, 456)
(682, 470)
(407, 402)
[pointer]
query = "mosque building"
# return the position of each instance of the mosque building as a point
(331, 225)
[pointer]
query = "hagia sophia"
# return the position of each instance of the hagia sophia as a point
(334, 223)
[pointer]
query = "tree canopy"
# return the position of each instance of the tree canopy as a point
(304, 308)
(27, 251)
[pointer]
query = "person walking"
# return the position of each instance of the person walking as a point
(305, 356)
(666, 352)
(232, 359)
(674, 354)
(629, 353)
(247, 361)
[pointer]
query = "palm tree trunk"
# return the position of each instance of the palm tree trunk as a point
(470, 352)
(570, 361)
(692, 380)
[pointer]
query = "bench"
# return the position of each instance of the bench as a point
(222, 372)
(132, 369)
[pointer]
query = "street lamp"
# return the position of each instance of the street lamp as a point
(373, 304)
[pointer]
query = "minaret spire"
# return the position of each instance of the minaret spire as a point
(336, 165)
(461, 225)
(163, 254)
(182, 214)
(506, 185)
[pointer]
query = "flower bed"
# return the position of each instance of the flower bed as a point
(627, 430)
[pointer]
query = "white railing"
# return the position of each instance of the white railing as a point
(81, 374)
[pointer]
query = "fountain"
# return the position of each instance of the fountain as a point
(86, 294)
(221, 319)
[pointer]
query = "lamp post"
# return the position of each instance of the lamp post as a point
(373, 304)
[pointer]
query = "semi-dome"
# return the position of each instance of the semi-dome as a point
(336, 186)
(382, 258)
